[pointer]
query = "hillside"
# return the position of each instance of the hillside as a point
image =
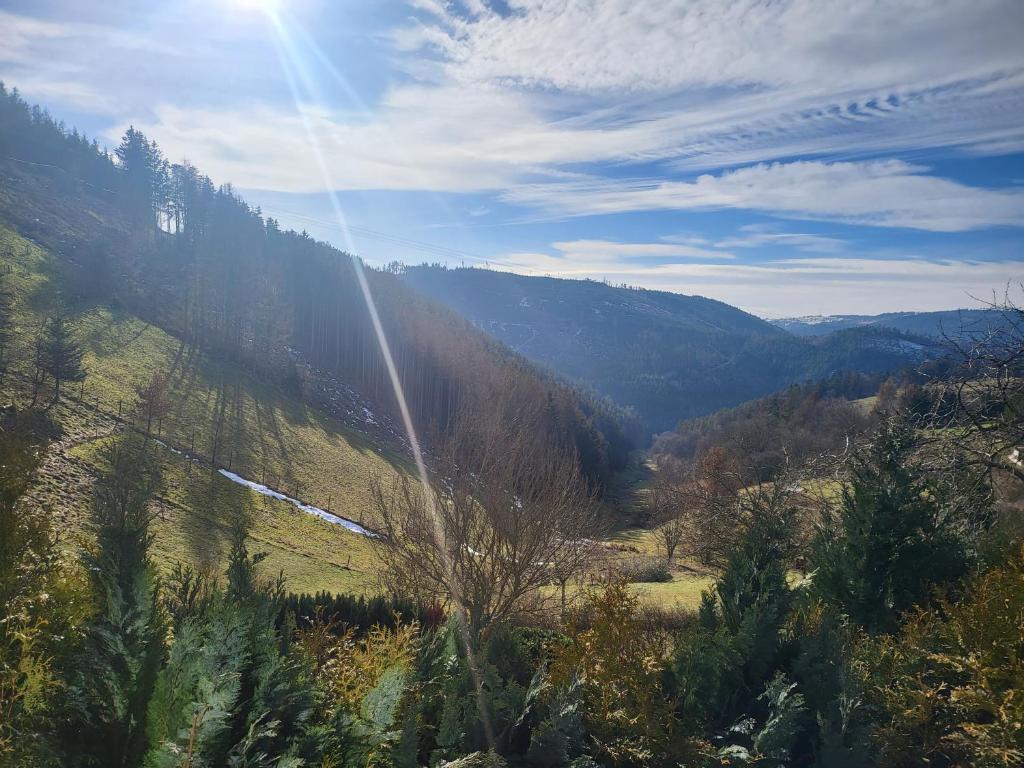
(669, 356)
(932, 324)
(272, 368)
(267, 434)
(163, 243)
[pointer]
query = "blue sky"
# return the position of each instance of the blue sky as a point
(790, 157)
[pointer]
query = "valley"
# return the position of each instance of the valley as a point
(666, 356)
(264, 504)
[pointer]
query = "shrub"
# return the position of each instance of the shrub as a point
(949, 688)
(646, 570)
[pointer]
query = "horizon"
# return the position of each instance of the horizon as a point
(523, 137)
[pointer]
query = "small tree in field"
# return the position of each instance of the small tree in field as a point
(669, 502)
(502, 519)
(154, 398)
(58, 354)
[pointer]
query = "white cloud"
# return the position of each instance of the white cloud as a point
(656, 45)
(761, 235)
(744, 81)
(805, 286)
(887, 193)
(615, 255)
(519, 102)
(456, 139)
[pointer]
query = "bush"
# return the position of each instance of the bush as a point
(646, 570)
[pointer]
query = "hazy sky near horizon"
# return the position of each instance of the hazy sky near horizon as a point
(790, 157)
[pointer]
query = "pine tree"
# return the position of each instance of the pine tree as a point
(720, 668)
(890, 541)
(110, 684)
(58, 353)
(145, 177)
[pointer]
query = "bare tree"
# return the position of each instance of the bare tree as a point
(981, 406)
(713, 511)
(153, 397)
(504, 516)
(669, 501)
(704, 510)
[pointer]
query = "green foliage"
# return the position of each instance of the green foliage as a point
(29, 572)
(897, 533)
(722, 664)
(617, 665)
(234, 692)
(110, 682)
(769, 745)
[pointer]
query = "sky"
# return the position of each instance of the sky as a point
(790, 157)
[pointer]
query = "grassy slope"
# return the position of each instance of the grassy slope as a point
(264, 433)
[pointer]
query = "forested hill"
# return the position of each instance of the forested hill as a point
(159, 240)
(934, 324)
(669, 356)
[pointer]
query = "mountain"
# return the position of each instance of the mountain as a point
(667, 355)
(951, 322)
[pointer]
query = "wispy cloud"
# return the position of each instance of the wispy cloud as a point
(756, 80)
(761, 235)
(887, 193)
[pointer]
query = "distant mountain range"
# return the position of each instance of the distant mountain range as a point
(952, 322)
(667, 355)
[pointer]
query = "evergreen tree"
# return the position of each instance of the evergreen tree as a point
(894, 536)
(234, 691)
(723, 665)
(58, 354)
(145, 176)
(110, 684)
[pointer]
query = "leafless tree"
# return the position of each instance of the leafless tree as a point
(981, 406)
(705, 509)
(153, 398)
(504, 516)
(669, 501)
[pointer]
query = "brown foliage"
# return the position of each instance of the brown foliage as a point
(949, 689)
(503, 517)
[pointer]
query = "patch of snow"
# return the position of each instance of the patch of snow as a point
(322, 514)
(811, 319)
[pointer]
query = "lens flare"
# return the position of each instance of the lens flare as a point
(296, 72)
